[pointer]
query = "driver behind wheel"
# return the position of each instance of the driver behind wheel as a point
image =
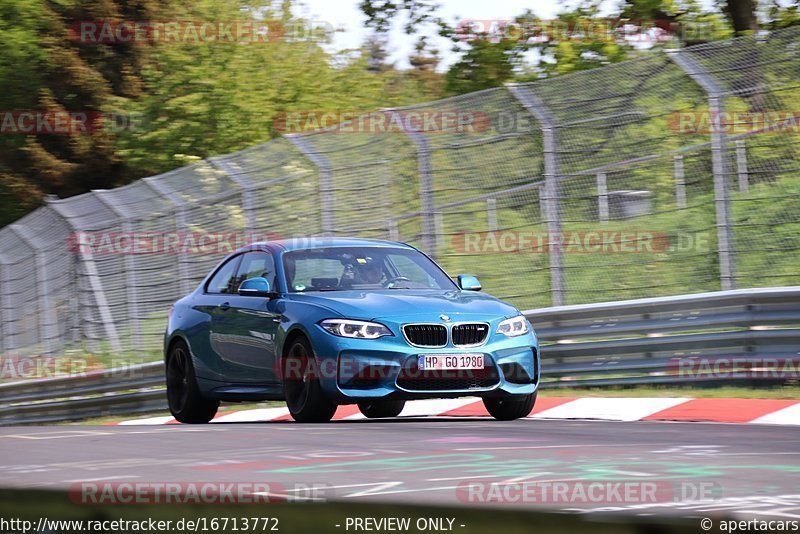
(369, 271)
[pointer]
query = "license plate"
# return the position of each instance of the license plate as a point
(431, 362)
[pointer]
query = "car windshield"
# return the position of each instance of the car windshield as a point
(360, 268)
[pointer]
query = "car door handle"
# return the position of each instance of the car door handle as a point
(225, 306)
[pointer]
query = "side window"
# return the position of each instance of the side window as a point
(221, 281)
(256, 265)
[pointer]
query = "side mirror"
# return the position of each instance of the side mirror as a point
(255, 287)
(467, 282)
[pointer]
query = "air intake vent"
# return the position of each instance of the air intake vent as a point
(470, 334)
(411, 378)
(426, 335)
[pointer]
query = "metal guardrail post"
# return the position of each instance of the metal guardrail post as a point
(5, 320)
(394, 232)
(130, 271)
(551, 188)
(248, 204)
(93, 276)
(602, 197)
(491, 214)
(47, 323)
(429, 215)
(716, 108)
(180, 225)
(680, 182)
(325, 181)
(741, 165)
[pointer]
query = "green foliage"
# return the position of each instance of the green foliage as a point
(485, 64)
(21, 22)
(178, 101)
(381, 14)
(42, 69)
(783, 16)
(579, 39)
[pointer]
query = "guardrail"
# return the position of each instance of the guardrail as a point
(750, 335)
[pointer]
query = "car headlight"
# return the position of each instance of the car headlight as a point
(516, 326)
(355, 329)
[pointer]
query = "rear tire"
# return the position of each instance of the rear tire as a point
(186, 403)
(381, 408)
(304, 397)
(510, 407)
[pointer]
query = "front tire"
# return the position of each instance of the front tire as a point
(381, 408)
(186, 403)
(304, 397)
(510, 407)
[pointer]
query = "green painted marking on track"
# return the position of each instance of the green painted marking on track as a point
(484, 463)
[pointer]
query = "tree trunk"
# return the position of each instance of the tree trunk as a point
(743, 16)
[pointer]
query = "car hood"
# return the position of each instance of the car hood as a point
(368, 305)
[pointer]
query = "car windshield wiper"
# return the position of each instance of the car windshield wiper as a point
(323, 289)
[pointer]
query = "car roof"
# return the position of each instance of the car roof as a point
(302, 243)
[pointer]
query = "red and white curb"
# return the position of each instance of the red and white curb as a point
(759, 411)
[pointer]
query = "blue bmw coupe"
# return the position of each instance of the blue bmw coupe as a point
(319, 322)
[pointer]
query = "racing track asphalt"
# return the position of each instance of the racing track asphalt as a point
(755, 468)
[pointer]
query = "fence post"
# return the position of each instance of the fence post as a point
(741, 165)
(325, 181)
(429, 222)
(438, 237)
(130, 271)
(716, 108)
(47, 320)
(602, 197)
(680, 182)
(96, 284)
(551, 187)
(248, 205)
(180, 225)
(5, 320)
(394, 233)
(491, 214)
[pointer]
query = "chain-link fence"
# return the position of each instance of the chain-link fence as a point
(673, 173)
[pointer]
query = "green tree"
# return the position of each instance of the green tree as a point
(485, 64)
(21, 24)
(211, 99)
(742, 14)
(44, 69)
(381, 14)
(783, 16)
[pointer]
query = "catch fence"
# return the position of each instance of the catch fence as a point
(673, 173)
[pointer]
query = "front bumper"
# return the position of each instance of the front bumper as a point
(363, 369)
